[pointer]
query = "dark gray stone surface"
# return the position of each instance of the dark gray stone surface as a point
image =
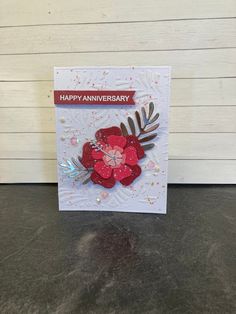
(80, 262)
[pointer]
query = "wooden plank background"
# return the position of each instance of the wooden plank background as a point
(196, 38)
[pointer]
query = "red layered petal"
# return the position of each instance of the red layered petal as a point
(106, 183)
(115, 140)
(97, 154)
(131, 157)
(87, 160)
(102, 169)
(121, 172)
(136, 171)
(133, 141)
(102, 134)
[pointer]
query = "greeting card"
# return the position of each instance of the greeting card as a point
(112, 137)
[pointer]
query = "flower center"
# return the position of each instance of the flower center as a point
(113, 158)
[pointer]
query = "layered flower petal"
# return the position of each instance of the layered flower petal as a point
(113, 157)
(102, 169)
(133, 141)
(102, 134)
(131, 157)
(97, 154)
(107, 183)
(115, 140)
(87, 159)
(135, 172)
(119, 149)
(122, 172)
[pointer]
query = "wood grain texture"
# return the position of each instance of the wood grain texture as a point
(182, 146)
(180, 171)
(33, 12)
(128, 37)
(185, 92)
(29, 145)
(185, 64)
(182, 119)
(34, 171)
(26, 94)
(203, 119)
(199, 92)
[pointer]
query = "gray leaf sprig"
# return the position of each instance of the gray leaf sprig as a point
(74, 169)
(146, 123)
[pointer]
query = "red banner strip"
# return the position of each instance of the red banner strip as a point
(89, 97)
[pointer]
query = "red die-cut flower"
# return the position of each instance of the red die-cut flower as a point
(113, 157)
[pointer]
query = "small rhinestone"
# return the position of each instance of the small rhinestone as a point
(98, 200)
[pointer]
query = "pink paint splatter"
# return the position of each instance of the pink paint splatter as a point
(151, 164)
(73, 141)
(104, 194)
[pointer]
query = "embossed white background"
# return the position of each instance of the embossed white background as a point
(148, 192)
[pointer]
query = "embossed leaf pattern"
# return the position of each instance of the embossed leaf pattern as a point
(145, 123)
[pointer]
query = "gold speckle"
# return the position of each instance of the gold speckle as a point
(150, 201)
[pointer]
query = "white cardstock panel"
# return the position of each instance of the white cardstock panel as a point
(148, 193)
